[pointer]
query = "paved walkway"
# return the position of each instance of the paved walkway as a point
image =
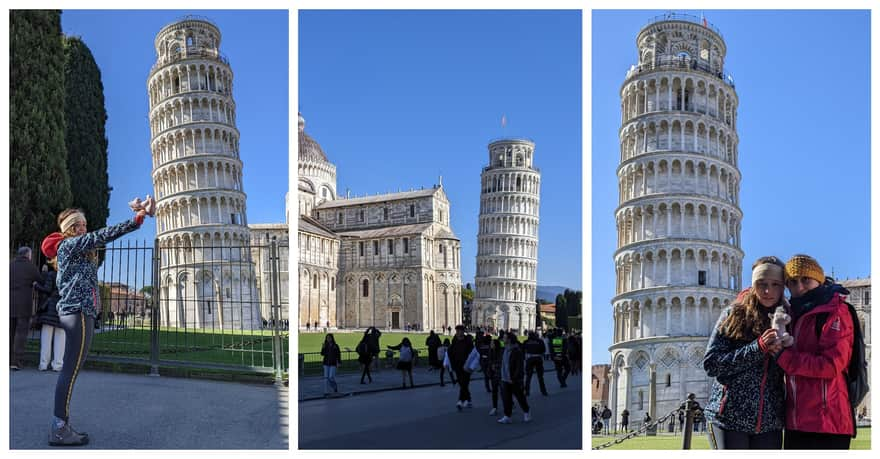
(426, 418)
(312, 387)
(123, 411)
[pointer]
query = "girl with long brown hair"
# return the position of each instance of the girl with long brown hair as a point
(746, 408)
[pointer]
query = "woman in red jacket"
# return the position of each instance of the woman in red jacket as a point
(817, 402)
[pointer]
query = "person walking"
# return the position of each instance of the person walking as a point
(559, 352)
(746, 408)
(441, 355)
(365, 358)
(459, 349)
(818, 411)
(482, 343)
(51, 333)
(493, 371)
(433, 343)
(624, 420)
(332, 356)
(75, 253)
(534, 351)
(405, 361)
(23, 275)
(512, 380)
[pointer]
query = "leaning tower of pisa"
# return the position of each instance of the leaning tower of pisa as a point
(507, 241)
(206, 275)
(678, 258)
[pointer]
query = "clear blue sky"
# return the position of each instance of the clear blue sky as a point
(397, 98)
(256, 44)
(803, 80)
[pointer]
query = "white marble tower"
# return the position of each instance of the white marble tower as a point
(678, 257)
(507, 242)
(206, 271)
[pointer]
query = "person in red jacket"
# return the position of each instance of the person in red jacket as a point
(817, 402)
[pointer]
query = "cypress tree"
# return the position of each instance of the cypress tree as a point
(561, 312)
(39, 186)
(85, 135)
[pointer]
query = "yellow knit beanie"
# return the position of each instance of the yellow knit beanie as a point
(804, 266)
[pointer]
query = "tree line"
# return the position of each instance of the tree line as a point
(57, 118)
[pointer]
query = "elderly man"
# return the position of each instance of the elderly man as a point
(23, 274)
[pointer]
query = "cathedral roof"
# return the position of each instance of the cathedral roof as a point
(865, 282)
(388, 231)
(345, 202)
(310, 225)
(309, 150)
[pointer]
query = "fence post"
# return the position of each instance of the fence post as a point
(689, 407)
(277, 351)
(155, 312)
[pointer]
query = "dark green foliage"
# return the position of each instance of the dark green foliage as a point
(573, 300)
(39, 186)
(561, 311)
(85, 134)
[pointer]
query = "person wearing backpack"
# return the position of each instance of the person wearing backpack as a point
(818, 410)
(404, 363)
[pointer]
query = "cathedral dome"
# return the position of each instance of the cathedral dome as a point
(309, 150)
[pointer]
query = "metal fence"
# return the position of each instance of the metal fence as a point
(221, 307)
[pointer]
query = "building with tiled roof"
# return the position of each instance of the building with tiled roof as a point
(384, 260)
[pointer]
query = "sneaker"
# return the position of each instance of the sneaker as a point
(505, 420)
(459, 404)
(42, 368)
(14, 367)
(493, 411)
(527, 417)
(66, 436)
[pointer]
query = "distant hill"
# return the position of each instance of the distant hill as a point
(549, 292)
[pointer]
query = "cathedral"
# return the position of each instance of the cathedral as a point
(386, 260)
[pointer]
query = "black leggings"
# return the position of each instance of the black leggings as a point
(795, 439)
(731, 439)
(78, 331)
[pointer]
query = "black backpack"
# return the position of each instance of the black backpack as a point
(857, 371)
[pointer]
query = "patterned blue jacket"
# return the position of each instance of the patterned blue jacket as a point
(77, 275)
(748, 394)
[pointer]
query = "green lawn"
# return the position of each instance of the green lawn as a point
(228, 347)
(700, 441)
(311, 342)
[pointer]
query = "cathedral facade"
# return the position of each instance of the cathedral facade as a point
(678, 258)
(388, 261)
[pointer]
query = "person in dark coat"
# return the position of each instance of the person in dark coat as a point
(373, 335)
(493, 371)
(332, 357)
(482, 343)
(51, 334)
(746, 408)
(459, 349)
(433, 343)
(512, 375)
(22, 277)
(365, 358)
(534, 351)
(624, 420)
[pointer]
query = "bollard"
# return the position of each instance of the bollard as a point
(689, 406)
